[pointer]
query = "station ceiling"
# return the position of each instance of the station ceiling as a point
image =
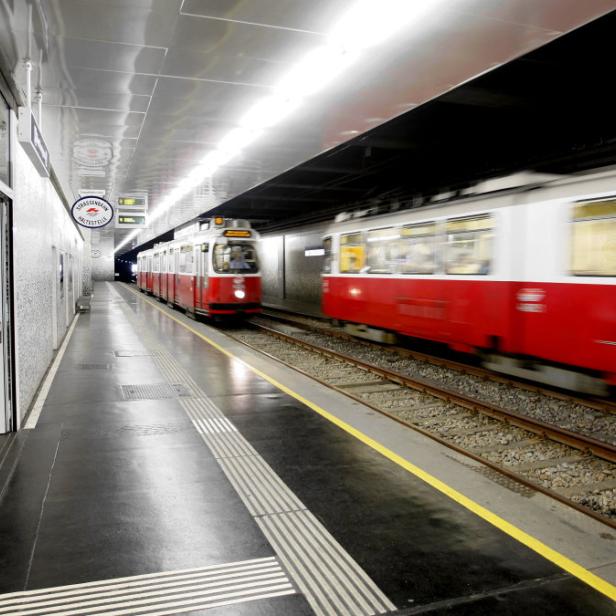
(550, 112)
(135, 91)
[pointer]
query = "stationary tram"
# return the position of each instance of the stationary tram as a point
(211, 270)
(524, 278)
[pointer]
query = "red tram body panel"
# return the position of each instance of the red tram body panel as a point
(522, 279)
(213, 271)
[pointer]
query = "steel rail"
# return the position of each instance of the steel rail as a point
(598, 448)
(598, 404)
(439, 439)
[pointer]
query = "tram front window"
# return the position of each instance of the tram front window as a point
(235, 258)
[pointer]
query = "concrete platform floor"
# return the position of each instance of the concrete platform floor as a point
(175, 471)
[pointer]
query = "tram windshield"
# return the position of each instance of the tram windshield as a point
(235, 258)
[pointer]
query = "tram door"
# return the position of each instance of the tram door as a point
(7, 417)
(202, 274)
(163, 274)
(176, 276)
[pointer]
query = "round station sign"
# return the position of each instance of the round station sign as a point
(92, 212)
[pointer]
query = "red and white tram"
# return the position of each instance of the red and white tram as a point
(526, 279)
(213, 271)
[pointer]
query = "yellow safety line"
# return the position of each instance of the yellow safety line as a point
(596, 582)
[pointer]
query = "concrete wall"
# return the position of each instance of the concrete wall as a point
(42, 231)
(290, 279)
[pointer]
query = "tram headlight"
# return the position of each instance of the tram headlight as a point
(239, 293)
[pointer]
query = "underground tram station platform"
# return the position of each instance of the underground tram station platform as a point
(307, 307)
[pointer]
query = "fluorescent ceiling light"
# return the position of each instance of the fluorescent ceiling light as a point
(369, 23)
(365, 25)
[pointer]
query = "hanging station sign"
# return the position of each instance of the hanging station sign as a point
(92, 212)
(32, 141)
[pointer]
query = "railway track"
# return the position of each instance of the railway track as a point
(313, 324)
(576, 469)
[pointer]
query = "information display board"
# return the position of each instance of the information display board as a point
(132, 211)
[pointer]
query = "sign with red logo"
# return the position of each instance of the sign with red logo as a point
(92, 212)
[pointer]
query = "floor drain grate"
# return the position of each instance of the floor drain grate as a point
(154, 391)
(130, 353)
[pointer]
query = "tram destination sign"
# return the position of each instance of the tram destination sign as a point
(92, 212)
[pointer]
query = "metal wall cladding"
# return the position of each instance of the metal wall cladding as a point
(271, 259)
(298, 287)
(303, 274)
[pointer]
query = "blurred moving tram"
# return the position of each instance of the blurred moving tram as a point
(213, 271)
(524, 278)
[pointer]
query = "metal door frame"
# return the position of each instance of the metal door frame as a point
(202, 272)
(7, 314)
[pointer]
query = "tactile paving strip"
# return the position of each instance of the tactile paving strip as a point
(332, 582)
(157, 594)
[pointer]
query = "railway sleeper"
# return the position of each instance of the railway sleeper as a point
(586, 488)
(498, 447)
(545, 463)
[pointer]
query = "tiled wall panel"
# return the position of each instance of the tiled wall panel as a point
(42, 229)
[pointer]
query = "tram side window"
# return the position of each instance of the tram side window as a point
(156, 265)
(327, 255)
(381, 250)
(186, 260)
(417, 249)
(352, 253)
(469, 246)
(593, 250)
